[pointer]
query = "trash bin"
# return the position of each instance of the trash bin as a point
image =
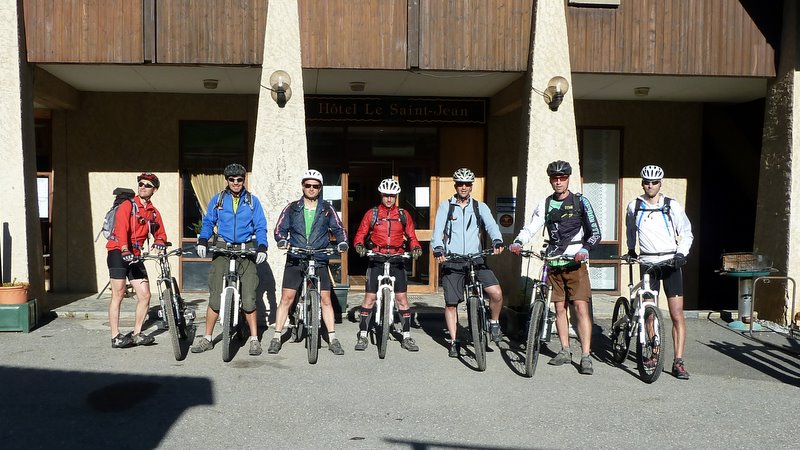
(339, 298)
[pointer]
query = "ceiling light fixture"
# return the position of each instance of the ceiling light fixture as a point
(210, 83)
(642, 91)
(357, 86)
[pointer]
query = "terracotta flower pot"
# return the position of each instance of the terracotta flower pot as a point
(13, 295)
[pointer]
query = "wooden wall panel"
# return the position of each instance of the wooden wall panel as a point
(363, 34)
(475, 34)
(83, 31)
(210, 31)
(672, 37)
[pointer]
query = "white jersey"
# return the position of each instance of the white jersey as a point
(662, 233)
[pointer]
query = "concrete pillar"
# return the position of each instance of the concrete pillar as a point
(777, 221)
(280, 152)
(20, 234)
(548, 135)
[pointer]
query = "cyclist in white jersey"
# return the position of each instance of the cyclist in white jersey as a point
(664, 233)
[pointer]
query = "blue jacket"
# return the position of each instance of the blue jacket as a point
(291, 226)
(459, 234)
(248, 223)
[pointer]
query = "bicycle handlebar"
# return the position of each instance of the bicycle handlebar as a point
(307, 253)
(382, 257)
(233, 252)
(470, 257)
(540, 255)
(631, 260)
(159, 256)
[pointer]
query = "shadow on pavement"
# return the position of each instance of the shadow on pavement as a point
(767, 360)
(71, 409)
(423, 445)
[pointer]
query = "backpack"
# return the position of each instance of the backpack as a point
(367, 239)
(121, 195)
(475, 206)
(221, 197)
(578, 206)
(665, 213)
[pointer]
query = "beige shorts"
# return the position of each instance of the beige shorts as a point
(570, 283)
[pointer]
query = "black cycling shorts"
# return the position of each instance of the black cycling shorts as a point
(672, 278)
(397, 270)
(293, 275)
(119, 269)
(452, 280)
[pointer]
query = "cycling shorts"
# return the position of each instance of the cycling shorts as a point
(293, 275)
(570, 283)
(119, 269)
(672, 278)
(452, 280)
(397, 270)
(248, 282)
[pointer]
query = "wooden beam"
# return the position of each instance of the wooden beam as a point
(49, 91)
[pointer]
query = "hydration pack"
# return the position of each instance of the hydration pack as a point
(121, 195)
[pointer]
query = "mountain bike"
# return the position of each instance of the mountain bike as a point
(384, 303)
(179, 319)
(540, 319)
(477, 308)
(639, 316)
(231, 315)
(306, 317)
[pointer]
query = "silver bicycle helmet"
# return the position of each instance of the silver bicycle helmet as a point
(235, 170)
(464, 175)
(557, 168)
(312, 174)
(389, 186)
(652, 172)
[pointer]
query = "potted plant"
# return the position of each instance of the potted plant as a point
(14, 293)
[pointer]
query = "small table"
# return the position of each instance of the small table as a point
(745, 297)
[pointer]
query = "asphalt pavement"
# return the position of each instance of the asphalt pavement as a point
(64, 386)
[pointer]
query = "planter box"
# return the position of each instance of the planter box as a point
(339, 298)
(19, 317)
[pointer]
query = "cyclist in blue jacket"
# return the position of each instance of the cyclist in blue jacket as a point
(305, 223)
(457, 230)
(239, 219)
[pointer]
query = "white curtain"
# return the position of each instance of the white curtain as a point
(206, 186)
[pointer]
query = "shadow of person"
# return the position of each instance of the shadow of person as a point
(267, 292)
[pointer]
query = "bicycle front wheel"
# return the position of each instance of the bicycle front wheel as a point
(533, 345)
(227, 326)
(174, 333)
(386, 323)
(649, 354)
(620, 330)
(477, 324)
(298, 323)
(312, 335)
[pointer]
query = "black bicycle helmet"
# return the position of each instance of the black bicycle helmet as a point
(235, 170)
(559, 167)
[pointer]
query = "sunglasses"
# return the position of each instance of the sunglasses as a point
(236, 179)
(461, 183)
(312, 186)
(146, 185)
(559, 178)
(650, 182)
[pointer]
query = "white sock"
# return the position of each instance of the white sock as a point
(277, 335)
(362, 333)
(208, 336)
(406, 334)
(331, 336)
(493, 321)
(254, 338)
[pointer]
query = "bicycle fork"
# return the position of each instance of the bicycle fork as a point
(234, 288)
(379, 300)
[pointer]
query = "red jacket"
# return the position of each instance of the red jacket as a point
(388, 234)
(131, 231)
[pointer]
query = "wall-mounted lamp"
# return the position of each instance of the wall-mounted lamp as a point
(280, 87)
(210, 83)
(554, 93)
(642, 91)
(357, 86)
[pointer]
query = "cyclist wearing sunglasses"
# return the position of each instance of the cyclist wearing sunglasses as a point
(457, 230)
(239, 218)
(135, 220)
(572, 231)
(664, 233)
(307, 223)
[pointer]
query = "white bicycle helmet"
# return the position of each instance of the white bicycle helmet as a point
(652, 172)
(464, 175)
(389, 186)
(312, 174)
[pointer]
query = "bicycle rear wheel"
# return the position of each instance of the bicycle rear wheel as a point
(533, 345)
(649, 355)
(620, 330)
(312, 338)
(174, 333)
(386, 323)
(227, 326)
(476, 324)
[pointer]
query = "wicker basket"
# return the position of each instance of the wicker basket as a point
(746, 262)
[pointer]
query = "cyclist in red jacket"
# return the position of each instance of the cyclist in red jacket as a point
(134, 221)
(384, 230)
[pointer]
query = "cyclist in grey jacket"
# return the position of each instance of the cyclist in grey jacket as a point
(457, 230)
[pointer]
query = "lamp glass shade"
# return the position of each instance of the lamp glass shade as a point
(279, 78)
(559, 85)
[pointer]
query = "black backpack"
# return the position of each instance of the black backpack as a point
(222, 193)
(475, 206)
(121, 195)
(368, 238)
(665, 212)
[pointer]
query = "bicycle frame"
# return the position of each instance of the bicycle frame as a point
(640, 291)
(386, 280)
(310, 277)
(231, 281)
